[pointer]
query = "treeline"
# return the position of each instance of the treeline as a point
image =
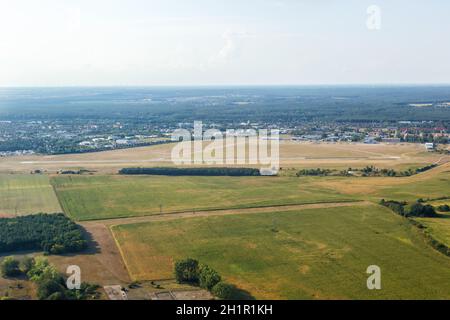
(424, 138)
(51, 233)
(64, 146)
(373, 171)
(313, 172)
(368, 171)
(51, 285)
(416, 209)
(165, 171)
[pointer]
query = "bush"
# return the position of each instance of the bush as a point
(26, 264)
(41, 270)
(419, 210)
(313, 172)
(444, 208)
(56, 296)
(223, 290)
(395, 206)
(187, 271)
(50, 287)
(10, 267)
(208, 277)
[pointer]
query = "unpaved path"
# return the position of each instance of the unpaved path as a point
(193, 214)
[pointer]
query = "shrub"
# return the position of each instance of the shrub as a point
(10, 267)
(208, 277)
(42, 269)
(187, 271)
(313, 172)
(444, 208)
(419, 210)
(49, 288)
(26, 264)
(395, 206)
(223, 290)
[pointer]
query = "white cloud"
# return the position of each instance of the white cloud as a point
(232, 43)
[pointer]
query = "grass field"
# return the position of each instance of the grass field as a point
(26, 194)
(430, 184)
(439, 227)
(102, 197)
(314, 253)
(109, 196)
(292, 155)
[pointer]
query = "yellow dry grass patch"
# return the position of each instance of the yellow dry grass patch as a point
(292, 154)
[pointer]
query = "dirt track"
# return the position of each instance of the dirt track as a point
(191, 214)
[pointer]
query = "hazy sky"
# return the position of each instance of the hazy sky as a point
(201, 42)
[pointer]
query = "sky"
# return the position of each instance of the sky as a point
(223, 42)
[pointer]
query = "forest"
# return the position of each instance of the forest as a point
(51, 233)
(162, 171)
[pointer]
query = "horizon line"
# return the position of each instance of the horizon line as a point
(412, 84)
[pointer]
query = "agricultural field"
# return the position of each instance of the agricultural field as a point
(302, 254)
(439, 228)
(432, 184)
(26, 194)
(113, 196)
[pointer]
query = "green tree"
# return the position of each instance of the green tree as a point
(42, 269)
(186, 271)
(53, 288)
(419, 210)
(224, 290)
(10, 267)
(26, 264)
(208, 277)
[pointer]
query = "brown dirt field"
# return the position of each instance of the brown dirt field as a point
(102, 263)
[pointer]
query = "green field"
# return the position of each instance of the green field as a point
(321, 253)
(439, 227)
(102, 197)
(26, 194)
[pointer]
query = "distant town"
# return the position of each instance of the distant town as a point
(18, 137)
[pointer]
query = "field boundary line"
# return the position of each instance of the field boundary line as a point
(216, 209)
(189, 214)
(59, 200)
(122, 256)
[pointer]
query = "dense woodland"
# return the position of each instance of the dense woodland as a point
(191, 171)
(51, 233)
(219, 104)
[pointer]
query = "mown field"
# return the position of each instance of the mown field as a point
(102, 197)
(304, 254)
(430, 184)
(26, 194)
